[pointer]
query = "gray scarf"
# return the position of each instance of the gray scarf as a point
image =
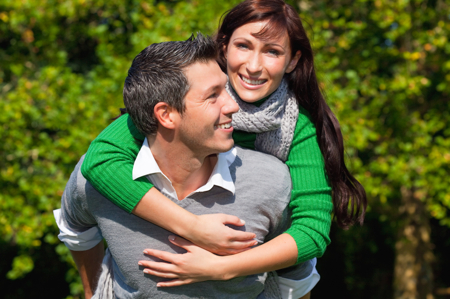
(274, 121)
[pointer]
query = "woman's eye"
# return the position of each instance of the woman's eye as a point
(274, 52)
(242, 46)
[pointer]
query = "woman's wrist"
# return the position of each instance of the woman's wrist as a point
(158, 209)
(190, 231)
(221, 268)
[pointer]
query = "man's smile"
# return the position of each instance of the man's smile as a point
(223, 126)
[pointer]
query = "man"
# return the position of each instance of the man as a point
(175, 94)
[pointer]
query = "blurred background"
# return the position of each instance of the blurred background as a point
(384, 66)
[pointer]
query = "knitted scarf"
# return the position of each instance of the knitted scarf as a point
(274, 121)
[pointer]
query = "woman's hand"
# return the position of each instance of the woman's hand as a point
(207, 231)
(198, 264)
(211, 233)
(195, 265)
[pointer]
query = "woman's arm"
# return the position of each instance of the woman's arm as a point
(108, 166)
(311, 202)
(207, 231)
(198, 264)
(307, 237)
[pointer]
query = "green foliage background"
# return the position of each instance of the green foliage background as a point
(384, 65)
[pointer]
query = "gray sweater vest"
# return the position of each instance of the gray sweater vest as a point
(263, 187)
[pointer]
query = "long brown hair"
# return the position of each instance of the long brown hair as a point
(349, 197)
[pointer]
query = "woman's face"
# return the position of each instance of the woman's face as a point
(256, 67)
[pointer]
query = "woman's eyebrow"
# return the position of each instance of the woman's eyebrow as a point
(274, 44)
(241, 38)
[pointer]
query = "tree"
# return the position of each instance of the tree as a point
(385, 69)
(383, 64)
(62, 70)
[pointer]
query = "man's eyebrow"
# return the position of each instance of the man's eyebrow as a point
(212, 89)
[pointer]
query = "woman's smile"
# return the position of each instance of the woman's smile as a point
(252, 81)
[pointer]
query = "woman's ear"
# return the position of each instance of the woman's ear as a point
(224, 48)
(293, 63)
(166, 115)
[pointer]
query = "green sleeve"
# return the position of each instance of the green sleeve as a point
(311, 203)
(108, 164)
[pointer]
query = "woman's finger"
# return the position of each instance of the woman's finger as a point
(161, 274)
(180, 242)
(230, 219)
(174, 283)
(158, 266)
(230, 251)
(237, 235)
(237, 245)
(162, 255)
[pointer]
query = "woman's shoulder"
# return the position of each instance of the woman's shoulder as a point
(305, 126)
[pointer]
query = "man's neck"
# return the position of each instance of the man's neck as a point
(186, 170)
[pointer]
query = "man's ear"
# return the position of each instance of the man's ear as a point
(166, 115)
(293, 63)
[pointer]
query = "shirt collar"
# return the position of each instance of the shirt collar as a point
(145, 164)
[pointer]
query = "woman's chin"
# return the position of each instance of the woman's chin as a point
(250, 96)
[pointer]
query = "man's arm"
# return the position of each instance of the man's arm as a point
(79, 231)
(89, 263)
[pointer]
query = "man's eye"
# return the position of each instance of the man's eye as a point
(212, 96)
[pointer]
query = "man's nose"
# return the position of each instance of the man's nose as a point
(230, 106)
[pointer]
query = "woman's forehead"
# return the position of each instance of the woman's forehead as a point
(265, 31)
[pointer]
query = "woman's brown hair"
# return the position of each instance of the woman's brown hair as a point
(349, 197)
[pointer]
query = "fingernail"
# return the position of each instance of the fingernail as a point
(243, 221)
(172, 238)
(145, 252)
(146, 271)
(158, 285)
(140, 264)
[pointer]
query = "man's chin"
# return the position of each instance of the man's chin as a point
(228, 147)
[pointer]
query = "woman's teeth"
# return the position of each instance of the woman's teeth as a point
(252, 82)
(224, 126)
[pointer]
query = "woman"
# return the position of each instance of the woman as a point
(261, 42)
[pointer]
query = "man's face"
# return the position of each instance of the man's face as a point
(205, 126)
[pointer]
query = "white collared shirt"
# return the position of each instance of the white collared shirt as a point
(145, 165)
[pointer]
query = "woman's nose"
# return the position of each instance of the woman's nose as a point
(254, 63)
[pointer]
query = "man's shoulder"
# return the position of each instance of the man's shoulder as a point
(261, 168)
(75, 184)
(74, 205)
(78, 187)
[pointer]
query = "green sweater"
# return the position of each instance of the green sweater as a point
(109, 163)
